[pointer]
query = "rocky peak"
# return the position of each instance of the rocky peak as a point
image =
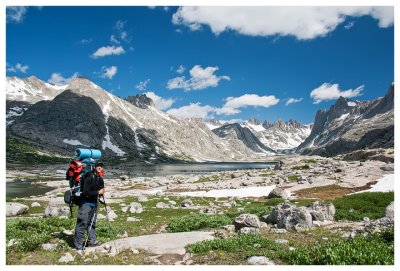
(266, 124)
(82, 83)
(140, 100)
(254, 121)
(215, 122)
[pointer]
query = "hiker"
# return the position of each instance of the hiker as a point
(92, 186)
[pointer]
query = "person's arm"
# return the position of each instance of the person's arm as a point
(101, 186)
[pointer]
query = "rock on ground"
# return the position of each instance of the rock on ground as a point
(278, 193)
(259, 260)
(389, 212)
(56, 211)
(136, 208)
(66, 258)
(246, 220)
(290, 217)
(15, 208)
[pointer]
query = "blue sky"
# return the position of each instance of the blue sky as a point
(228, 63)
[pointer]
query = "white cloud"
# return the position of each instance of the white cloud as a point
(160, 102)
(332, 92)
(233, 103)
(19, 67)
(293, 101)
(142, 85)
(181, 69)
(199, 79)
(108, 50)
(120, 32)
(108, 72)
(301, 22)
(194, 110)
(59, 80)
(15, 14)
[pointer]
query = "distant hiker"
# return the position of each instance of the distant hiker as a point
(92, 186)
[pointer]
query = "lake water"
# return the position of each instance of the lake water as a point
(189, 168)
(29, 188)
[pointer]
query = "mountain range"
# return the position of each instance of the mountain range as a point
(82, 114)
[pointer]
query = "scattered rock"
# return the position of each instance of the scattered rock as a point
(246, 220)
(136, 208)
(229, 228)
(68, 232)
(172, 202)
(56, 211)
(259, 260)
(124, 209)
(49, 246)
(161, 205)
(35, 204)
(124, 177)
(321, 211)
(15, 208)
(66, 258)
(186, 203)
(388, 167)
(159, 193)
(389, 212)
(278, 193)
(143, 199)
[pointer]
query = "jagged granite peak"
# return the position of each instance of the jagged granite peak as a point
(236, 134)
(266, 124)
(351, 125)
(86, 115)
(253, 121)
(140, 100)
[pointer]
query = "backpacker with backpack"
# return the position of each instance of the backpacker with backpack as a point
(84, 163)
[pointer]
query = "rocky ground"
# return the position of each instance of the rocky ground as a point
(301, 177)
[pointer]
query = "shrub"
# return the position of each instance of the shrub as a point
(356, 207)
(196, 222)
(360, 250)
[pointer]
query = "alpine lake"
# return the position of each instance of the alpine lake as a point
(29, 186)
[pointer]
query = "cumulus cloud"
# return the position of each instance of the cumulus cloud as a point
(293, 101)
(142, 85)
(332, 92)
(59, 80)
(199, 79)
(301, 22)
(160, 102)
(233, 103)
(15, 14)
(108, 72)
(17, 68)
(108, 50)
(194, 110)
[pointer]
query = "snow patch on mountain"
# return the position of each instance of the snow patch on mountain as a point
(73, 142)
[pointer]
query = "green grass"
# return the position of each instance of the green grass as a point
(293, 177)
(370, 250)
(197, 222)
(356, 207)
(303, 167)
(242, 246)
(213, 178)
(19, 152)
(310, 161)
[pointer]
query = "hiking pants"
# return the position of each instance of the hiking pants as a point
(86, 215)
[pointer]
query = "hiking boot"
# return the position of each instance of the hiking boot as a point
(95, 244)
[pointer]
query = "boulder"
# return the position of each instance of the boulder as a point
(389, 212)
(388, 167)
(321, 211)
(290, 217)
(136, 208)
(278, 192)
(246, 220)
(161, 205)
(186, 203)
(35, 204)
(15, 208)
(49, 246)
(66, 258)
(56, 211)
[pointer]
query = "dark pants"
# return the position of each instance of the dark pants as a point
(86, 221)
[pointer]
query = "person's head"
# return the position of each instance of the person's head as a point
(99, 167)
